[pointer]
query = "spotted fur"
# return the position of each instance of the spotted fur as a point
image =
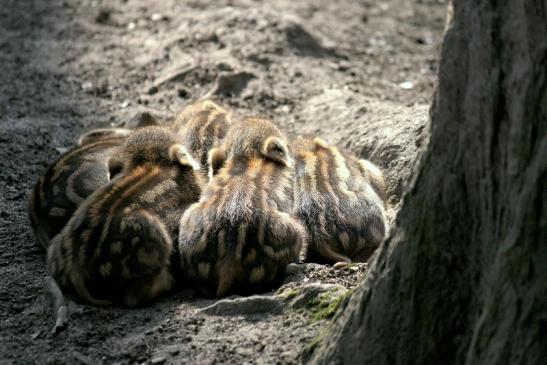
(118, 246)
(241, 235)
(341, 200)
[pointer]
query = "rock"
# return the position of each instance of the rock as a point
(340, 265)
(306, 293)
(292, 269)
(158, 360)
(406, 85)
(247, 305)
(86, 86)
(224, 66)
(303, 43)
(156, 17)
(232, 83)
(103, 16)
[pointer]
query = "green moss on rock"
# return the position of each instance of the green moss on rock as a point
(326, 304)
(288, 294)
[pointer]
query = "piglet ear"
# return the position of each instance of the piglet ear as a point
(115, 166)
(275, 149)
(146, 120)
(320, 143)
(216, 160)
(98, 134)
(179, 154)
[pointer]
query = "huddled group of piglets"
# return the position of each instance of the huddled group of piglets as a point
(207, 201)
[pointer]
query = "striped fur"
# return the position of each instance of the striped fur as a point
(100, 134)
(340, 199)
(140, 121)
(191, 111)
(69, 180)
(240, 236)
(118, 246)
(202, 126)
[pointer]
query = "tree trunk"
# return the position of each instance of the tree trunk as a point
(463, 277)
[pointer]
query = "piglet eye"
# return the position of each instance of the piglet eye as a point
(139, 160)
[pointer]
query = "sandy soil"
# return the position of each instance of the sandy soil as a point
(360, 74)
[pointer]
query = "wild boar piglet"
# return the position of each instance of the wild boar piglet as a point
(68, 181)
(202, 126)
(118, 246)
(241, 235)
(341, 201)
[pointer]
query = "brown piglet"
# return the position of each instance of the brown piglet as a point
(241, 235)
(118, 246)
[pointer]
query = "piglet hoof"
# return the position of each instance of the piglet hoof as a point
(61, 311)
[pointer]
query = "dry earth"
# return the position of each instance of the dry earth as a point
(358, 73)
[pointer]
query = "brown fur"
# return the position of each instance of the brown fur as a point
(341, 200)
(69, 180)
(103, 133)
(118, 246)
(241, 235)
(201, 127)
(191, 111)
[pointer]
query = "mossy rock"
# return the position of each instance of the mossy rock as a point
(326, 305)
(319, 301)
(287, 293)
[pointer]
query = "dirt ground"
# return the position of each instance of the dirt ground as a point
(358, 73)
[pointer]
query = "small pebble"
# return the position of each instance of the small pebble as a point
(406, 85)
(156, 17)
(103, 16)
(158, 360)
(292, 269)
(340, 265)
(88, 85)
(223, 66)
(284, 109)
